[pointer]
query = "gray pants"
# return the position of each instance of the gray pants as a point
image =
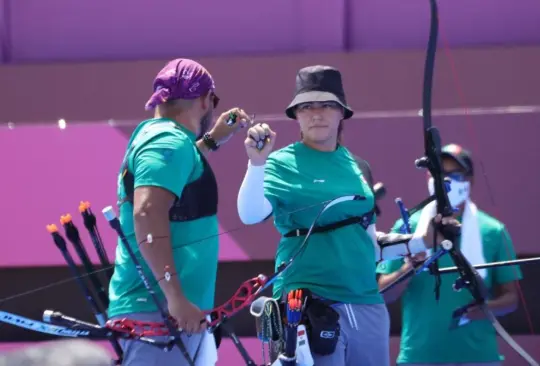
(137, 353)
(453, 364)
(364, 338)
(61, 352)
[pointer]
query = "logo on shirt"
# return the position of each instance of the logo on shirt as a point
(167, 154)
(328, 334)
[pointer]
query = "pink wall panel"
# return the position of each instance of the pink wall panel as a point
(229, 356)
(50, 172)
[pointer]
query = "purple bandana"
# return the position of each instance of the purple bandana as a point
(180, 79)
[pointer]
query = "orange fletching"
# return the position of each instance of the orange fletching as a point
(52, 228)
(65, 219)
(83, 206)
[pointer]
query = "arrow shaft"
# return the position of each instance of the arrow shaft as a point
(494, 264)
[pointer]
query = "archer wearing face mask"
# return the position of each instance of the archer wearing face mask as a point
(425, 333)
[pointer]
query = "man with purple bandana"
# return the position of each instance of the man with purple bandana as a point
(168, 196)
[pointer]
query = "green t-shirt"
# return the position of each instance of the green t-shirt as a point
(425, 334)
(164, 155)
(339, 264)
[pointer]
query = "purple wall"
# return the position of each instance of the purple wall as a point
(51, 171)
(66, 30)
(374, 81)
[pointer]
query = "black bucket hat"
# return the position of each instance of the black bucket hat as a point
(319, 84)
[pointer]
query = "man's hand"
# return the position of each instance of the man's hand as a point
(446, 221)
(188, 316)
(475, 313)
(410, 262)
(222, 132)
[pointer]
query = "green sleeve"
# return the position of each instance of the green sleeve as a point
(397, 226)
(166, 161)
(505, 251)
(391, 266)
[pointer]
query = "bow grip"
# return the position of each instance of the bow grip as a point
(448, 232)
(459, 312)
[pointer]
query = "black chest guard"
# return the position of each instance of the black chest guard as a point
(199, 198)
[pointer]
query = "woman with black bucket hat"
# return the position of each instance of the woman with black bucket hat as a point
(337, 270)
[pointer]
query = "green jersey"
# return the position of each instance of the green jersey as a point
(338, 264)
(425, 334)
(163, 154)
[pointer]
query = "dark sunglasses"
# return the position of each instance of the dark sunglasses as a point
(214, 98)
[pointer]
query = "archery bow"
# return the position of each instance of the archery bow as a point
(243, 297)
(468, 277)
(60, 325)
(251, 288)
(169, 322)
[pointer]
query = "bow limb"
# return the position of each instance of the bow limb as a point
(432, 162)
(507, 243)
(507, 337)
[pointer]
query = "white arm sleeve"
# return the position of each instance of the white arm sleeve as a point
(253, 207)
(416, 245)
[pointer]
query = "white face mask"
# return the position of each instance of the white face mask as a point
(459, 191)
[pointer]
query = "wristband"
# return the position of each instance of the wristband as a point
(210, 142)
(168, 275)
(150, 239)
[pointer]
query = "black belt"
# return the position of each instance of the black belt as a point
(364, 221)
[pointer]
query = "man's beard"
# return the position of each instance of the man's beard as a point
(206, 122)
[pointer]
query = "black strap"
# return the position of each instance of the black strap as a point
(365, 169)
(364, 221)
